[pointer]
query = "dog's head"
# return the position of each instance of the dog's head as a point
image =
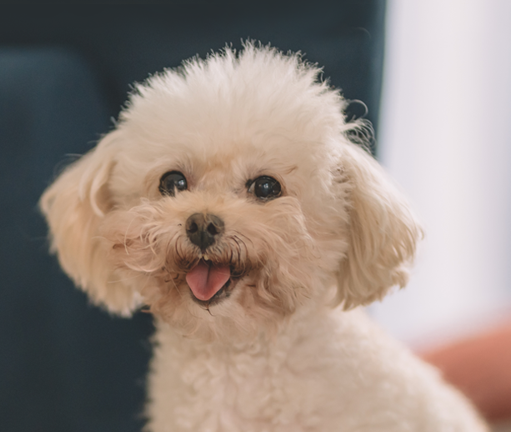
(229, 196)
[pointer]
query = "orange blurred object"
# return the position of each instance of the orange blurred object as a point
(480, 367)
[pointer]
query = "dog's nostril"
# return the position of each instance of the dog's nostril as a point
(212, 229)
(192, 228)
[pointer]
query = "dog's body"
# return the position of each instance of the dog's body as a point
(329, 372)
(232, 203)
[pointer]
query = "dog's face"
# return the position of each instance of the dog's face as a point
(227, 198)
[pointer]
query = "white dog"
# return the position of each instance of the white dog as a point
(231, 201)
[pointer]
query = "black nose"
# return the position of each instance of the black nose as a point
(204, 229)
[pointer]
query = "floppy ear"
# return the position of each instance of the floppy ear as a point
(74, 206)
(383, 232)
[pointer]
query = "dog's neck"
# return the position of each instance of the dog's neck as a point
(257, 345)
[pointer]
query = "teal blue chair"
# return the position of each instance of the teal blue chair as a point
(66, 366)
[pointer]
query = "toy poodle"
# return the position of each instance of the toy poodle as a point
(234, 202)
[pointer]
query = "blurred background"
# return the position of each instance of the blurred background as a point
(435, 77)
(445, 136)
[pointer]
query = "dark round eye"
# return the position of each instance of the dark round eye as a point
(172, 181)
(265, 188)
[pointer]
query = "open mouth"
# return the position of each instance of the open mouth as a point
(210, 282)
(220, 295)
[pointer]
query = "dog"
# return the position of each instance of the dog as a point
(234, 202)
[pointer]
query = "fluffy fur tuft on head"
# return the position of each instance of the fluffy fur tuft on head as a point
(223, 123)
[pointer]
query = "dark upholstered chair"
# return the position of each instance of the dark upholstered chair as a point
(65, 365)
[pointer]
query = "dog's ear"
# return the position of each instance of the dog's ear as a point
(383, 232)
(74, 206)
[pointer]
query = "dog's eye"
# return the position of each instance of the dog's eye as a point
(265, 188)
(172, 181)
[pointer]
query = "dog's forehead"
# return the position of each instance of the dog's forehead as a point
(217, 135)
(232, 157)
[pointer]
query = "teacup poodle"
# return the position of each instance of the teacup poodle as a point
(232, 202)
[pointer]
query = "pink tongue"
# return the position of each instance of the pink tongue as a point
(205, 280)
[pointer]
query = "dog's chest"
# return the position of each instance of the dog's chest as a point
(259, 388)
(327, 374)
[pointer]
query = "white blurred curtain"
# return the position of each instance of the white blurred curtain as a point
(445, 136)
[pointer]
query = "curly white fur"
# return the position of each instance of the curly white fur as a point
(276, 354)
